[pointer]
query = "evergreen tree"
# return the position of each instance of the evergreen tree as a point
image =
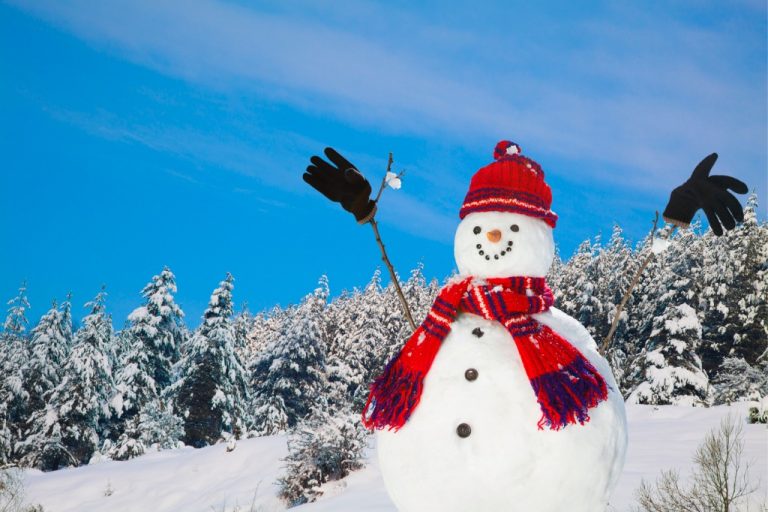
(672, 368)
(735, 293)
(155, 427)
(160, 427)
(615, 268)
(360, 345)
(49, 349)
(66, 432)
(135, 388)
(6, 437)
(737, 380)
(66, 322)
(158, 326)
(265, 329)
(243, 324)
(16, 322)
(212, 391)
(574, 290)
(290, 374)
(14, 353)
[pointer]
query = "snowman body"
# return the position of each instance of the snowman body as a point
(503, 462)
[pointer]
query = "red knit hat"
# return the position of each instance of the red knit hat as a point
(513, 183)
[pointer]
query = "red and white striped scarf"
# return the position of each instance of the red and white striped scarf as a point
(565, 383)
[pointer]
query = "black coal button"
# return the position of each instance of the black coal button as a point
(463, 430)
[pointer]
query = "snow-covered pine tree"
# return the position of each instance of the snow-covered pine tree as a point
(211, 393)
(324, 447)
(66, 432)
(735, 294)
(159, 326)
(556, 270)
(394, 326)
(290, 375)
(266, 328)
(14, 353)
(16, 321)
(360, 344)
(670, 365)
(66, 321)
(574, 292)
(156, 427)
(49, 348)
(737, 380)
(6, 437)
(243, 324)
(134, 388)
(420, 296)
(616, 265)
(159, 426)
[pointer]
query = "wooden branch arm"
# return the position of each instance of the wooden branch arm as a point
(392, 274)
(605, 345)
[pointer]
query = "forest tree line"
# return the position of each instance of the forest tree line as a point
(693, 332)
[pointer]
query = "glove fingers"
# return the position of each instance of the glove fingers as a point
(319, 184)
(726, 219)
(318, 175)
(322, 164)
(713, 222)
(729, 182)
(702, 170)
(733, 205)
(341, 162)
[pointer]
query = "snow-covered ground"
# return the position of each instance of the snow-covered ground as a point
(210, 479)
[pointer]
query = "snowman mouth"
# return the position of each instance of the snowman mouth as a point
(488, 255)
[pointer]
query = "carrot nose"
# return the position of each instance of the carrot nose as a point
(494, 236)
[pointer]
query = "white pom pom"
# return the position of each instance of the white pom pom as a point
(514, 149)
(393, 181)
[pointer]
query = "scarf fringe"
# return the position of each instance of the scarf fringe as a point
(565, 383)
(566, 396)
(394, 395)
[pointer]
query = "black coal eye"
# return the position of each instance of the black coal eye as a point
(514, 228)
(477, 230)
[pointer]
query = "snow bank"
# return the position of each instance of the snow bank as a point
(210, 479)
(207, 479)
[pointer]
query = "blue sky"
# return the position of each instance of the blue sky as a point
(139, 134)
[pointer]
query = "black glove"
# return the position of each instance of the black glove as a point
(709, 193)
(342, 183)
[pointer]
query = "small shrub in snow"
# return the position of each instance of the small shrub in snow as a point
(737, 380)
(323, 448)
(126, 447)
(12, 492)
(156, 427)
(759, 414)
(720, 480)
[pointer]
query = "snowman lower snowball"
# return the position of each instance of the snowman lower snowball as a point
(499, 401)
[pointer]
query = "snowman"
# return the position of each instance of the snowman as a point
(499, 402)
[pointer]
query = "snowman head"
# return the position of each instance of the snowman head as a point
(507, 223)
(503, 244)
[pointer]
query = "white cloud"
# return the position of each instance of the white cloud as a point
(635, 90)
